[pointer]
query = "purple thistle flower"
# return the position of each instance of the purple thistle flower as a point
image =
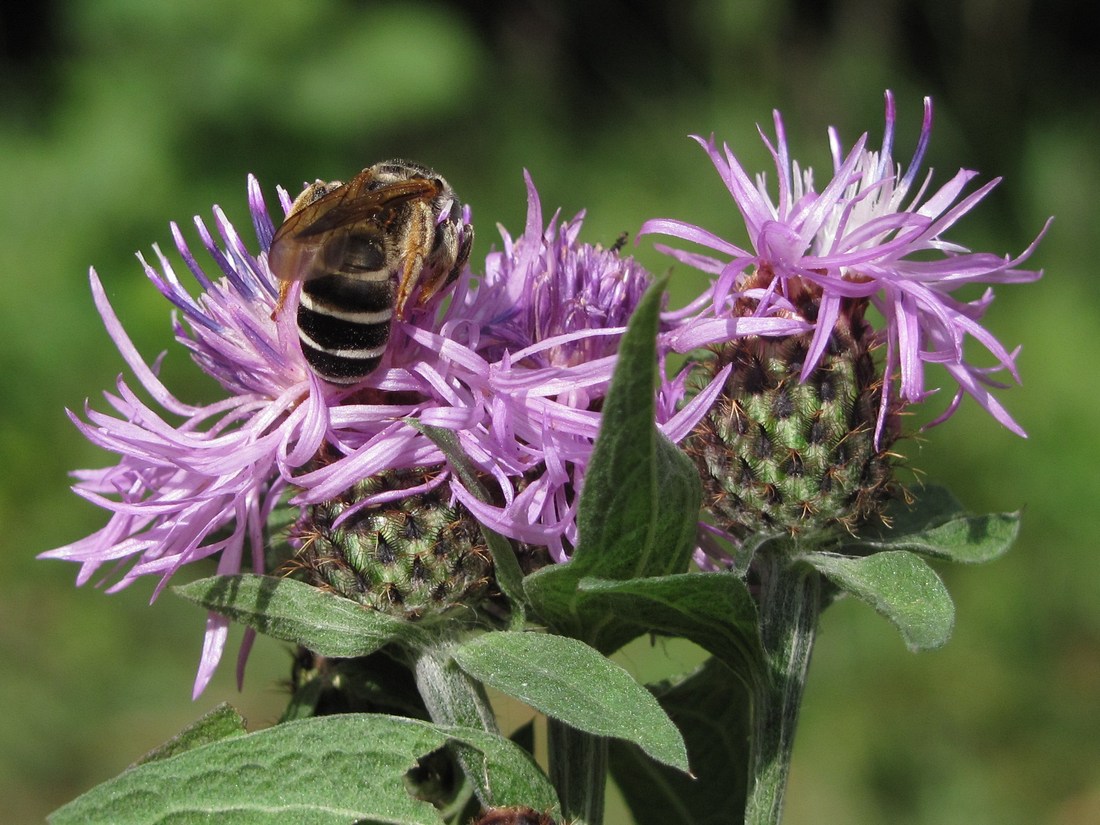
(513, 365)
(868, 234)
(550, 312)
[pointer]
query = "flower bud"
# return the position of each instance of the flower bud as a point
(779, 454)
(414, 556)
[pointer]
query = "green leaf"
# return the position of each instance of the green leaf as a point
(713, 610)
(900, 586)
(510, 775)
(334, 769)
(572, 682)
(297, 612)
(936, 525)
(219, 723)
(638, 513)
(933, 505)
(712, 711)
(640, 506)
(506, 567)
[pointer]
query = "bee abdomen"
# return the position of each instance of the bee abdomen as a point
(344, 324)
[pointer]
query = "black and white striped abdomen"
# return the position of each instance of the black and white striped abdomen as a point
(344, 323)
(364, 252)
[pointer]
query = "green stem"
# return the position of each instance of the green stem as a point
(454, 698)
(790, 600)
(578, 771)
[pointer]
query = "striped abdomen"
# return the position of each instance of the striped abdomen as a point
(344, 318)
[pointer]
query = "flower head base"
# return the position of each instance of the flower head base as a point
(415, 556)
(779, 455)
(871, 234)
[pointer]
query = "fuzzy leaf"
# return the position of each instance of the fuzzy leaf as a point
(900, 586)
(936, 525)
(638, 512)
(335, 769)
(572, 682)
(639, 509)
(713, 610)
(296, 612)
(219, 723)
(712, 711)
(509, 775)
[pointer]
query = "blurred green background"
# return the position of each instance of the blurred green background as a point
(117, 116)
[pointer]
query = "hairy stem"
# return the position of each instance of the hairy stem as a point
(578, 770)
(454, 698)
(790, 600)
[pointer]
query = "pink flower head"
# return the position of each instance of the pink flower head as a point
(512, 365)
(873, 232)
(549, 312)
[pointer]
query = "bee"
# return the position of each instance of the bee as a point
(366, 252)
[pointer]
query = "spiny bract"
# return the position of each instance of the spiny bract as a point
(414, 557)
(779, 455)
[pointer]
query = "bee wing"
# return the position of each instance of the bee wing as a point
(310, 238)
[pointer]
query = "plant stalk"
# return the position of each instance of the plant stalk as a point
(454, 698)
(790, 601)
(578, 771)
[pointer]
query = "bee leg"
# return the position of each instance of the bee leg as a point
(284, 288)
(416, 241)
(412, 266)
